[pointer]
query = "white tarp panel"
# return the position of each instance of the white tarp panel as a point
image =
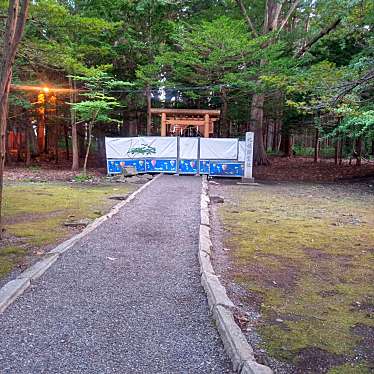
(241, 155)
(141, 147)
(218, 149)
(188, 148)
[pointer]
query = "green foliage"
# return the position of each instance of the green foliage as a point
(97, 104)
(355, 126)
(57, 38)
(309, 151)
(205, 54)
(216, 53)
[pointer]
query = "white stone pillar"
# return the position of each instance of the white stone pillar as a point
(248, 159)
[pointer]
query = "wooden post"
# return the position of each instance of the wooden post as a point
(206, 126)
(163, 124)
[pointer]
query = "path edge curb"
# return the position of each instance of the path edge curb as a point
(222, 308)
(16, 287)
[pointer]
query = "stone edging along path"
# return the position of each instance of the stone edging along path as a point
(14, 288)
(222, 308)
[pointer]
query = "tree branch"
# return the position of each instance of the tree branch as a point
(314, 40)
(246, 16)
(350, 86)
(292, 9)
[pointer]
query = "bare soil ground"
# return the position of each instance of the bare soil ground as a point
(304, 169)
(46, 172)
(298, 259)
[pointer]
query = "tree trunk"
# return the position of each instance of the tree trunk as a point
(74, 134)
(225, 127)
(130, 127)
(28, 145)
(316, 146)
(341, 151)
(265, 131)
(66, 137)
(133, 125)
(149, 114)
(15, 24)
(257, 115)
(3, 124)
(337, 146)
(278, 124)
(89, 135)
(55, 142)
(75, 148)
(274, 142)
(359, 151)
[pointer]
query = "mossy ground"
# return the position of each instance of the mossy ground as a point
(9, 256)
(34, 214)
(306, 251)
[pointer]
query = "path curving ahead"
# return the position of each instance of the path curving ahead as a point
(125, 299)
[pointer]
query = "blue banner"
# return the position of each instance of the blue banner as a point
(161, 166)
(188, 166)
(204, 166)
(226, 168)
(116, 166)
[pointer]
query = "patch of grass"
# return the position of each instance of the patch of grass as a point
(82, 178)
(308, 253)
(34, 168)
(40, 232)
(350, 369)
(37, 199)
(9, 256)
(36, 212)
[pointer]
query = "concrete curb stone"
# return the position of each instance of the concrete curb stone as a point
(234, 341)
(11, 290)
(39, 268)
(205, 263)
(205, 244)
(252, 367)
(205, 231)
(216, 293)
(205, 216)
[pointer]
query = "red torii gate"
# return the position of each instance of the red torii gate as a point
(202, 119)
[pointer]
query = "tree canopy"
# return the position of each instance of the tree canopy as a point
(254, 60)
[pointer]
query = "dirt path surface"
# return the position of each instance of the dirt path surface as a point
(126, 299)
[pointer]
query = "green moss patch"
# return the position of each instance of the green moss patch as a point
(34, 213)
(9, 257)
(350, 369)
(306, 251)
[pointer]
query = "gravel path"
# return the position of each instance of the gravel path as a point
(126, 299)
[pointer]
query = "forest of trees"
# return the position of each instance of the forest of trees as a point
(275, 67)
